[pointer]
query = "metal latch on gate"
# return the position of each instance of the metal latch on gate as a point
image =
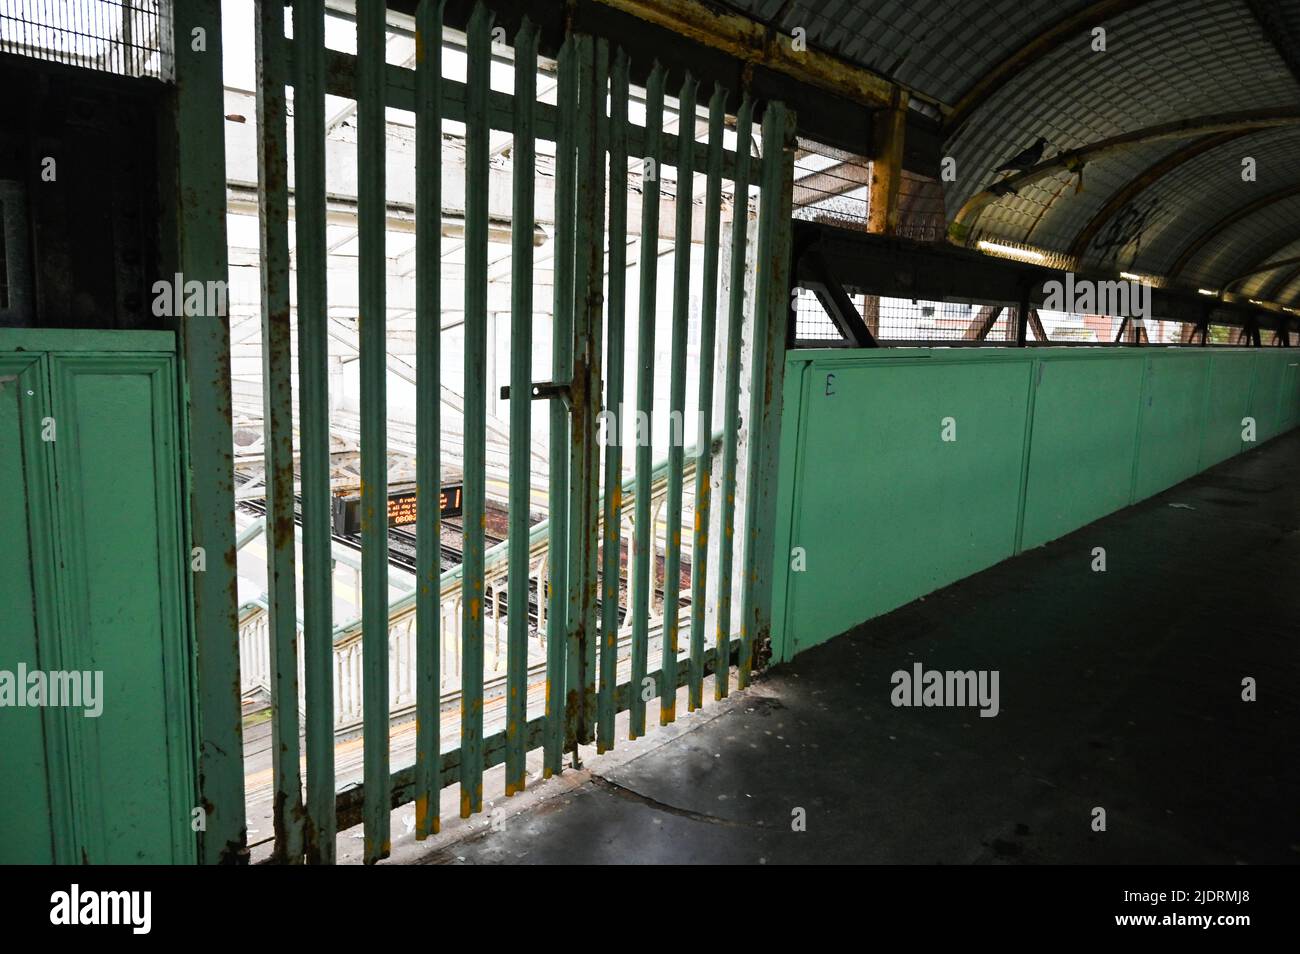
(543, 391)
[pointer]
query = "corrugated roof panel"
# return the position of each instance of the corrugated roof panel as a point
(1205, 189)
(1240, 246)
(1289, 293)
(1265, 283)
(1164, 62)
(1101, 180)
(938, 47)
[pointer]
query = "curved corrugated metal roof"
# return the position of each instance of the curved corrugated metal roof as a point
(1165, 61)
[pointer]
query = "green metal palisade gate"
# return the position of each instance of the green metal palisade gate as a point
(1048, 441)
(204, 347)
(581, 703)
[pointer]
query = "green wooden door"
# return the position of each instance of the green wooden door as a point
(32, 763)
(104, 545)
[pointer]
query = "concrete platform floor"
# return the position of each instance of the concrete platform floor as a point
(1120, 690)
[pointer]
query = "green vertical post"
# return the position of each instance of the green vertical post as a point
(277, 427)
(731, 407)
(584, 456)
(521, 379)
(200, 196)
(557, 617)
(641, 579)
(677, 397)
(579, 442)
(313, 425)
(428, 402)
(614, 401)
(708, 335)
(479, 52)
(767, 372)
(596, 306)
(371, 220)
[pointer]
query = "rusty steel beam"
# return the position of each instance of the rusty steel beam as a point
(1144, 180)
(962, 227)
(1032, 52)
(1232, 218)
(887, 166)
(1036, 325)
(757, 44)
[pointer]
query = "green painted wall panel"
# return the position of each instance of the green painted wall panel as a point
(890, 510)
(1231, 374)
(1290, 397)
(885, 511)
(1082, 443)
(1266, 394)
(1173, 408)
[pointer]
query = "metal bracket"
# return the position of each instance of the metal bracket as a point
(545, 391)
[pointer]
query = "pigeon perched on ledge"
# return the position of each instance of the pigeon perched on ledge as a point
(1026, 159)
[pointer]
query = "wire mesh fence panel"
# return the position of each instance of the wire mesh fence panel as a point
(1163, 332)
(920, 208)
(126, 37)
(1227, 335)
(813, 327)
(903, 320)
(1071, 328)
(830, 185)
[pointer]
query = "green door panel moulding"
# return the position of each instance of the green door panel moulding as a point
(90, 485)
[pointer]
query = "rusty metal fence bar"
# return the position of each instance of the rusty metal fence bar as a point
(589, 296)
(313, 422)
(590, 125)
(677, 391)
(731, 407)
(767, 372)
(557, 616)
(475, 503)
(617, 320)
(371, 125)
(521, 354)
(428, 451)
(640, 577)
(273, 215)
(708, 347)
